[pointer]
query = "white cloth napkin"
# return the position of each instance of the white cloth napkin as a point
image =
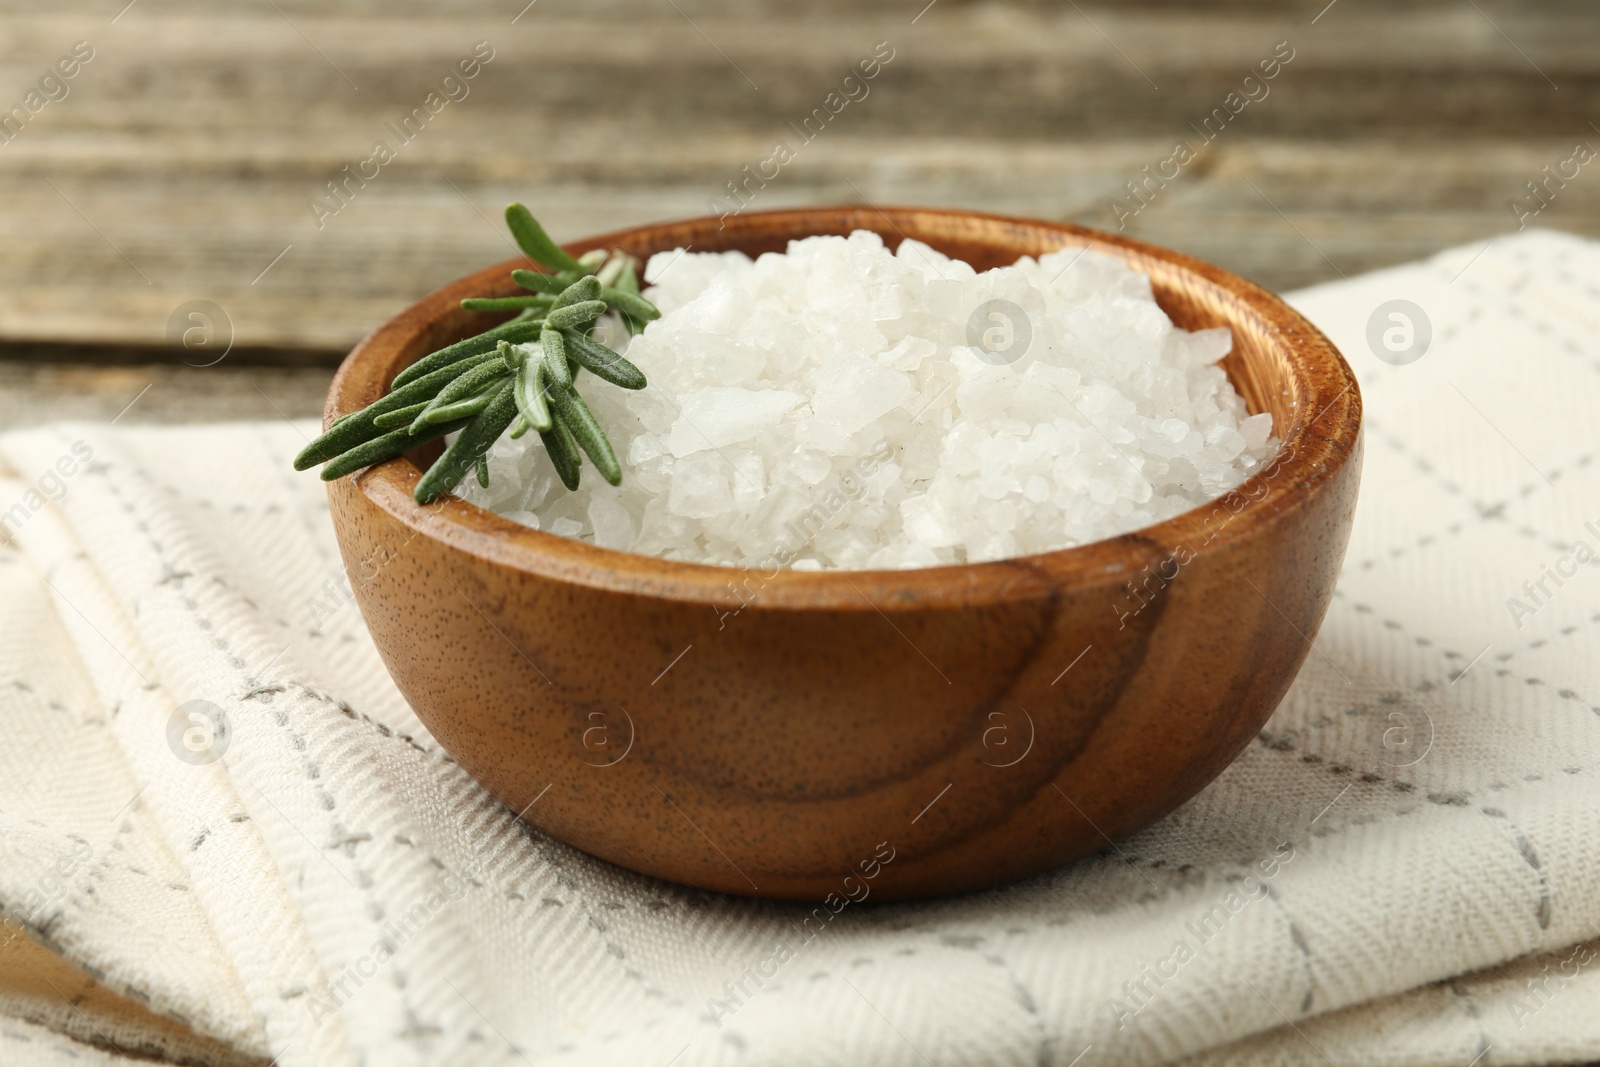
(1405, 869)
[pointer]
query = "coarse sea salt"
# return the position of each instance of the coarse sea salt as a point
(844, 406)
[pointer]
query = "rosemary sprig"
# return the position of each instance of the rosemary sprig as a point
(517, 376)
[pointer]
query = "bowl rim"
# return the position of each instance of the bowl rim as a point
(1310, 456)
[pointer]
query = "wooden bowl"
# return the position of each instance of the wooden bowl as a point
(892, 733)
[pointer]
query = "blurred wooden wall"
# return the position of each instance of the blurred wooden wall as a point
(180, 163)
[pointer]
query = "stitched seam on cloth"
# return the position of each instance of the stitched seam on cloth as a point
(290, 481)
(56, 597)
(595, 922)
(311, 771)
(170, 570)
(1284, 742)
(1428, 540)
(1469, 1008)
(1297, 939)
(1516, 310)
(42, 933)
(1373, 428)
(1423, 466)
(1530, 856)
(1566, 693)
(104, 470)
(546, 854)
(1331, 829)
(1565, 631)
(316, 537)
(240, 665)
(382, 729)
(341, 706)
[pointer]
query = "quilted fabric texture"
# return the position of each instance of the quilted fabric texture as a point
(1405, 869)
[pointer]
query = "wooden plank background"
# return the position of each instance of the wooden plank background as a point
(180, 164)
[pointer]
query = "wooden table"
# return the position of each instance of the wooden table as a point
(182, 161)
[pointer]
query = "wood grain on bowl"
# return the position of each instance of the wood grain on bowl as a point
(774, 733)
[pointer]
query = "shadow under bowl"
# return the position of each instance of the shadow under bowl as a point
(898, 733)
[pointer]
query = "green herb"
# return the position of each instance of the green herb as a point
(505, 303)
(532, 280)
(563, 452)
(530, 390)
(532, 239)
(517, 376)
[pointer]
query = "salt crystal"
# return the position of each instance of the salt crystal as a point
(723, 415)
(907, 353)
(1256, 430)
(566, 527)
(700, 487)
(850, 395)
(612, 525)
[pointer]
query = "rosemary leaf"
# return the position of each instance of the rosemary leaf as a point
(350, 430)
(547, 284)
(379, 449)
(585, 288)
(515, 330)
(388, 420)
(512, 356)
(574, 414)
(628, 280)
(630, 304)
(504, 303)
(428, 385)
(605, 363)
(530, 397)
(563, 452)
(472, 382)
(436, 413)
(475, 440)
(532, 239)
(465, 396)
(581, 313)
(556, 367)
(612, 270)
